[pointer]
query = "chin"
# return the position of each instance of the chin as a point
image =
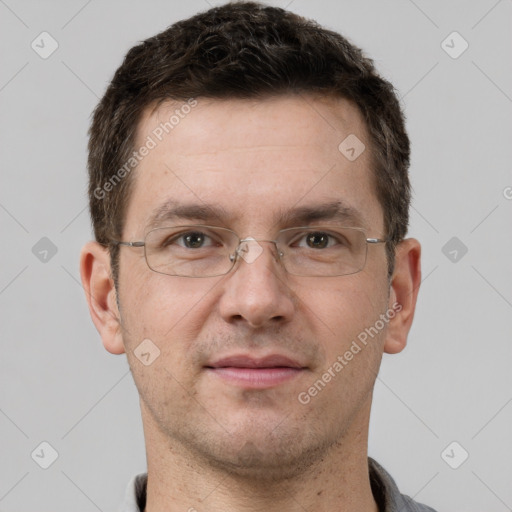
(263, 456)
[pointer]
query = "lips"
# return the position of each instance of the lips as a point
(251, 372)
(244, 361)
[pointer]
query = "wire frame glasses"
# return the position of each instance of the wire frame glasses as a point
(209, 251)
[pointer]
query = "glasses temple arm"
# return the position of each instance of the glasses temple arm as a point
(128, 244)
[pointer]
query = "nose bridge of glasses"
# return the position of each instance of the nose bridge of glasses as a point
(250, 249)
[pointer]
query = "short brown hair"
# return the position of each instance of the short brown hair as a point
(243, 50)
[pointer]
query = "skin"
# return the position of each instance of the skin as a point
(213, 445)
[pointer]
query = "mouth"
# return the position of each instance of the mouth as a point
(256, 373)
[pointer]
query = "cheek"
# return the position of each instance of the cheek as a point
(161, 319)
(168, 310)
(344, 310)
(346, 316)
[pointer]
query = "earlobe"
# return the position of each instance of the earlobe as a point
(405, 285)
(100, 293)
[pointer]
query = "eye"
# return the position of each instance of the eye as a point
(191, 240)
(319, 240)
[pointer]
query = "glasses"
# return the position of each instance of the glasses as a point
(209, 251)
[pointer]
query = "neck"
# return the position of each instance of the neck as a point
(335, 478)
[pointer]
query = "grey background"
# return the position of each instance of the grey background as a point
(452, 383)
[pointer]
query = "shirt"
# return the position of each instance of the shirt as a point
(384, 489)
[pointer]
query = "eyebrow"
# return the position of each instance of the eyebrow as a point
(173, 210)
(303, 215)
(335, 211)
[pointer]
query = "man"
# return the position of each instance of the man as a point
(249, 197)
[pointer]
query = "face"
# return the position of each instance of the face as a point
(254, 164)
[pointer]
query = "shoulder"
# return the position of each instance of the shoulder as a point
(135, 495)
(386, 493)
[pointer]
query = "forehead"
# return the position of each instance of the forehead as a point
(251, 158)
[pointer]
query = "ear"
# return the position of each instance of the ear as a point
(100, 293)
(405, 284)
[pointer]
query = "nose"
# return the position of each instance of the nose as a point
(256, 290)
